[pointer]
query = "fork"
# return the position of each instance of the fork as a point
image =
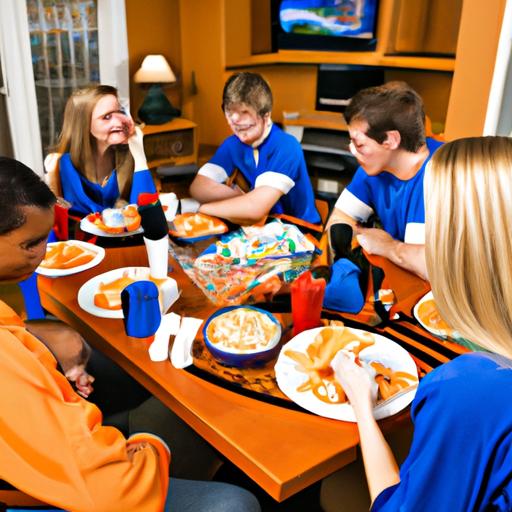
(402, 392)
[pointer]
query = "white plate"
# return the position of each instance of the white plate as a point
(442, 333)
(168, 291)
(58, 272)
(389, 353)
(87, 226)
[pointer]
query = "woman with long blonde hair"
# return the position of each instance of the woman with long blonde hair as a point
(460, 459)
(101, 154)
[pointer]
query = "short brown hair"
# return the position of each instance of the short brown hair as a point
(250, 89)
(392, 106)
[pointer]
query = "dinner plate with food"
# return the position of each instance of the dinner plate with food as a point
(101, 295)
(192, 227)
(69, 257)
(113, 222)
(304, 374)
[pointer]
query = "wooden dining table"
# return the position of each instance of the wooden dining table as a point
(282, 450)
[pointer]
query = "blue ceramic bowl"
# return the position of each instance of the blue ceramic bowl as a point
(255, 357)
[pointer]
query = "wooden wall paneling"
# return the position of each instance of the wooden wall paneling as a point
(203, 36)
(476, 54)
(153, 28)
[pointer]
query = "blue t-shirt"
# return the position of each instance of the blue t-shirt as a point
(398, 203)
(88, 197)
(461, 454)
(281, 165)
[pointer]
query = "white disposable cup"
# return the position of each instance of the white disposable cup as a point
(158, 256)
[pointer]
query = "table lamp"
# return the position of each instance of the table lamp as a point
(156, 107)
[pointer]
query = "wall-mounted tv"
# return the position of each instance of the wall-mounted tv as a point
(335, 25)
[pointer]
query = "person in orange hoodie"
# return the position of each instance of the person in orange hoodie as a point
(52, 442)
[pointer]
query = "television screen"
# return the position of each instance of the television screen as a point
(325, 24)
(346, 18)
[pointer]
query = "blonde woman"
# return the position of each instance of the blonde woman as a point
(460, 459)
(102, 162)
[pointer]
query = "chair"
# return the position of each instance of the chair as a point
(63, 220)
(324, 209)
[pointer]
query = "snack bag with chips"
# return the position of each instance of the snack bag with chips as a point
(247, 262)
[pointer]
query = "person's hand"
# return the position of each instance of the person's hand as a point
(355, 381)
(128, 125)
(82, 380)
(136, 146)
(376, 241)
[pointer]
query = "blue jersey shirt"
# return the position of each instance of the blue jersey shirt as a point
(88, 197)
(461, 454)
(398, 203)
(280, 164)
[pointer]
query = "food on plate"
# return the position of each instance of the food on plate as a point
(241, 330)
(64, 255)
(108, 295)
(391, 382)
(116, 220)
(316, 364)
(197, 224)
(429, 315)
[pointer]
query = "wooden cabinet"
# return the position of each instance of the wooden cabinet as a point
(172, 144)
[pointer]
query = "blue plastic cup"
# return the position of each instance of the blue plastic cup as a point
(141, 309)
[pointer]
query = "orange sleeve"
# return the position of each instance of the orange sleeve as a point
(53, 446)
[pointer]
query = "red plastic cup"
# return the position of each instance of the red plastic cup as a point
(307, 299)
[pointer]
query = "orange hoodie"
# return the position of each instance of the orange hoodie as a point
(52, 444)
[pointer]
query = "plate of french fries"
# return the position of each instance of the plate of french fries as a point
(304, 373)
(69, 257)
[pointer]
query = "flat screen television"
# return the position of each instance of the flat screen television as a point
(331, 25)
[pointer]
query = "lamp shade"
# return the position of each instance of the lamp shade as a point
(154, 69)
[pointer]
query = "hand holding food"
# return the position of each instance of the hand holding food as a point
(355, 380)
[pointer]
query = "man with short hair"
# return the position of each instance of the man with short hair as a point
(270, 160)
(387, 133)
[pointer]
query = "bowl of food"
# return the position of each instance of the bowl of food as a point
(242, 336)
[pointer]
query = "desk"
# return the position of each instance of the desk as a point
(324, 139)
(282, 450)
